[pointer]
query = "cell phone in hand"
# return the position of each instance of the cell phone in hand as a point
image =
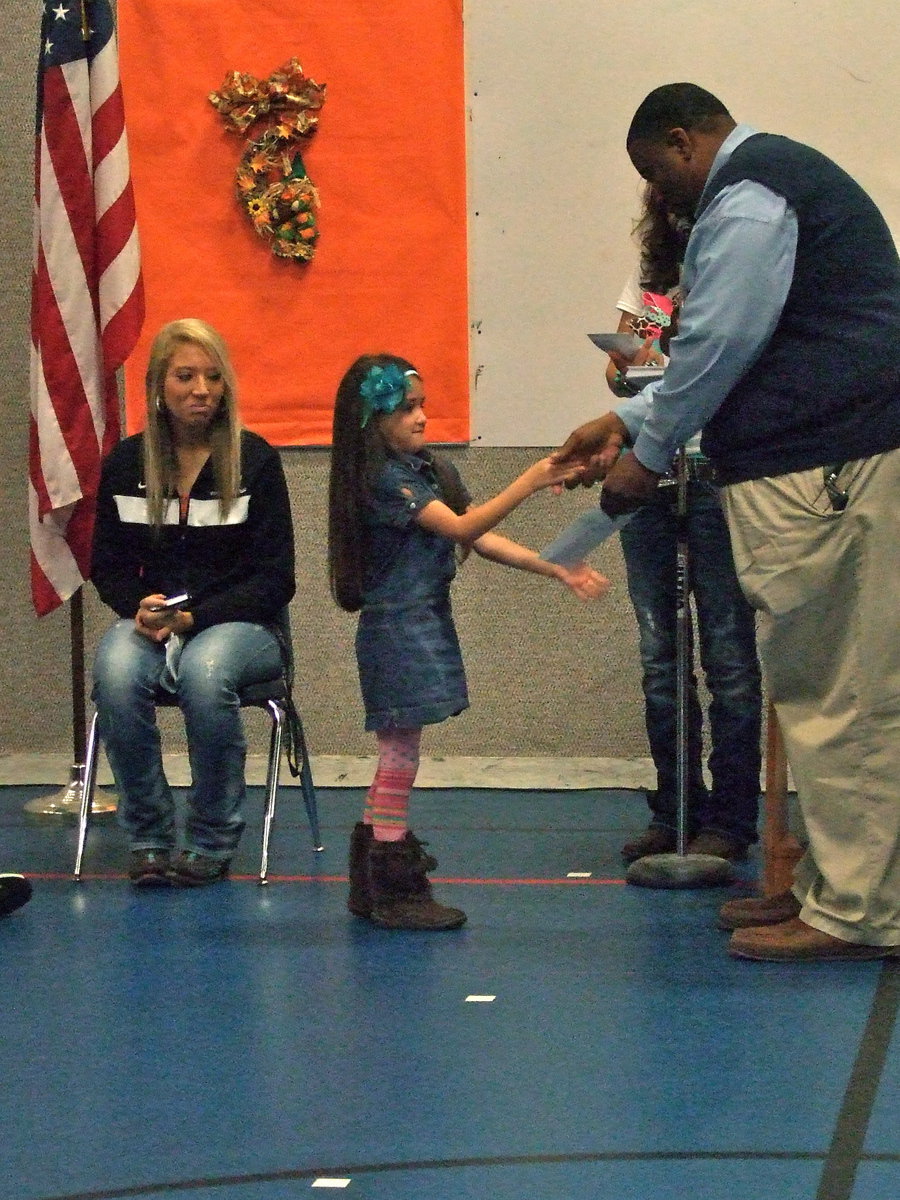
(171, 602)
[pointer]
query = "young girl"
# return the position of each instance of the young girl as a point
(396, 513)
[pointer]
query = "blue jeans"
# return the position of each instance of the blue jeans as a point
(727, 636)
(214, 665)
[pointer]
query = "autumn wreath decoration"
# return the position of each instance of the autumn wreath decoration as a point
(271, 180)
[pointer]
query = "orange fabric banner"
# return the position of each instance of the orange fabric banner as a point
(388, 160)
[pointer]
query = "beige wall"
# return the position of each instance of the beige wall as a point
(547, 676)
(552, 88)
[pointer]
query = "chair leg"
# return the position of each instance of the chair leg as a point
(308, 789)
(277, 713)
(88, 784)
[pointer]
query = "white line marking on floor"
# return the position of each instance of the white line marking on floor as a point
(479, 999)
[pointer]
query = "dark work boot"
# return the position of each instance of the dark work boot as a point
(400, 891)
(654, 840)
(360, 899)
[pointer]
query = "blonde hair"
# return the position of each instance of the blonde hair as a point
(160, 463)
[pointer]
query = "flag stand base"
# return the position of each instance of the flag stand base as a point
(680, 871)
(66, 803)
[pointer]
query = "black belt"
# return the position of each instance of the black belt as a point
(697, 469)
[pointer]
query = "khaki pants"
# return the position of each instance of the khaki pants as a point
(828, 587)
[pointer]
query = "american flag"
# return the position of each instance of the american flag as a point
(87, 296)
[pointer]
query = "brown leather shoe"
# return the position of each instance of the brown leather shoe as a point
(720, 845)
(795, 941)
(652, 841)
(752, 911)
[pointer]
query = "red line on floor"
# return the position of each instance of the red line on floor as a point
(514, 882)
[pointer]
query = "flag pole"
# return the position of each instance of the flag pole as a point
(66, 802)
(83, 198)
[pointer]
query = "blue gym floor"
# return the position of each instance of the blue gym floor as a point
(247, 1043)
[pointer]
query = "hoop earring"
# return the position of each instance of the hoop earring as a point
(159, 404)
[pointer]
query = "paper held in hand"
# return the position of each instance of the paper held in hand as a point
(618, 343)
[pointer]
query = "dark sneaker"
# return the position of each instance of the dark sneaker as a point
(191, 869)
(149, 868)
(15, 890)
(652, 841)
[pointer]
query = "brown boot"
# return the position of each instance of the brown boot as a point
(400, 891)
(759, 910)
(360, 899)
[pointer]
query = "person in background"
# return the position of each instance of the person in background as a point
(397, 514)
(784, 359)
(721, 821)
(199, 506)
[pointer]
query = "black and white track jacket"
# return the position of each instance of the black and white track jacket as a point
(236, 568)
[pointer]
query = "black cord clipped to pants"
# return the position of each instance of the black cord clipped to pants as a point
(837, 497)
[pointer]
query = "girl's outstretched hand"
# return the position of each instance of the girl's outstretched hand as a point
(596, 445)
(584, 581)
(549, 473)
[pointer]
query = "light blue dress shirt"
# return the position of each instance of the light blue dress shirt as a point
(738, 269)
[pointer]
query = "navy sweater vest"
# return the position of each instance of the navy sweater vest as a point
(826, 388)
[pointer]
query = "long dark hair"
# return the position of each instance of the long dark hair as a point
(358, 454)
(662, 239)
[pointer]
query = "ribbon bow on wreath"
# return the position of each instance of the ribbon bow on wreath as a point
(272, 183)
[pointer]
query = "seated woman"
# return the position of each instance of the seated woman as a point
(195, 506)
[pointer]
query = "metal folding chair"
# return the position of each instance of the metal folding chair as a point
(276, 697)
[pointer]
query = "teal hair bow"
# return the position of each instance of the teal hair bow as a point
(382, 390)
